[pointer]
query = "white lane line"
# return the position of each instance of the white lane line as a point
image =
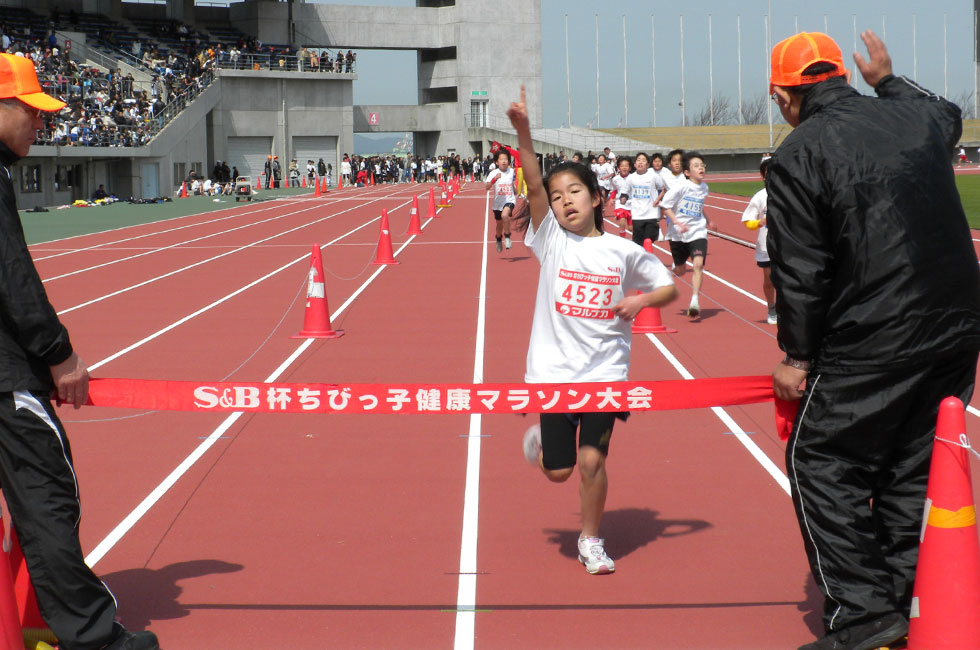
(730, 423)
(159, 249)
(231, 252)
(135, 237)
(144, 506)
(466, 594)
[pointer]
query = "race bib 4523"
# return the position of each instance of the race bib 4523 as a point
(587, 295)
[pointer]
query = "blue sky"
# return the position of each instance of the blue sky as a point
(389, 77)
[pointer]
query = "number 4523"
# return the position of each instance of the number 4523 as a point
(587, 295)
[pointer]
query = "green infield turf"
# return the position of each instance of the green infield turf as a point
(968, 185)
(71, 222)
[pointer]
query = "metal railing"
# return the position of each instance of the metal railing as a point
(278, 62)
(574, 139)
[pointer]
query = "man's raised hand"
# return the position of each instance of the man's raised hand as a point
(880, 65)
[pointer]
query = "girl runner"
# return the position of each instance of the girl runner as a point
(504, 186)
(672, 174)
(621, 194)
(581, 328)
(754, 218)
(604, 172)
(646, 190)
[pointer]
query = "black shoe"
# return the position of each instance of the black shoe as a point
(134, 641)
(864, 636)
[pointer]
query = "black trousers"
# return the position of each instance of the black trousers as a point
(858, 465)
(38, 482)
(646, 229)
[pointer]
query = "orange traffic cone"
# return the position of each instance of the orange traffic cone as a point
(648, 321)
(304, 182)
(316, 322)
(385, 254)
(340, 181)
(10, 633)
(432, 204)
(316, 187)
(34, 630)
(444, 201)
(947, 579)
(287, 181)
(414, 225)
(183, 190)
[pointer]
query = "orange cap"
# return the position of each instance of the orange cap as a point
(795, 54)
(18, 78)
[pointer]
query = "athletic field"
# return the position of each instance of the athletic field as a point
(407, 531)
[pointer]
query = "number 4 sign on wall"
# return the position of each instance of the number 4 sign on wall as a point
(373, 119)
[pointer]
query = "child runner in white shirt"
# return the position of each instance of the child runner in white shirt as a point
(754, 218)
(503, 183)
(647, 189)
(672, 174)
(581, 330)
(604, 172)
(684, 206)
(621, 194)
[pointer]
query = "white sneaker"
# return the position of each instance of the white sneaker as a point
(532, 445)
(771, 317)
(694, 310)
(507, 243)
(592, 554)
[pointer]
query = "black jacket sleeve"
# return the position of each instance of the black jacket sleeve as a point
(28, 319)
(948, 115)
(798, 231)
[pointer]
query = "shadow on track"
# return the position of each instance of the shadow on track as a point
(147, 595)
(627, 530)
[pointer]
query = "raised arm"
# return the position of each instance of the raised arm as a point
(536, 196)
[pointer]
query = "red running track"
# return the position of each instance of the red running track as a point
(346, 531)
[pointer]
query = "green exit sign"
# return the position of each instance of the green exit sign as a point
(479, 92)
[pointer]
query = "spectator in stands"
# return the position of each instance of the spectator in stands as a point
(276, 171)
(99, 193)
(350, 60)
(321, 168)
(301, 58)
(234, 173)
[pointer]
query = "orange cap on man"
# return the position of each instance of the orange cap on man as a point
(791, 56)
(18, 78)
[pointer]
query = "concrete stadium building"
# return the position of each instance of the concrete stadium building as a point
(243, 116)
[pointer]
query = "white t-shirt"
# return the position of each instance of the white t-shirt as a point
(503, 190)
(643, 192)
(576, 336)
(345, 167)
(687, 202)
(622, 186)
(757, 210)
(604, 170)
(670, 179)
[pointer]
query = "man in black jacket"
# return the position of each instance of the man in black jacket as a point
(37, 359)
(878, 298)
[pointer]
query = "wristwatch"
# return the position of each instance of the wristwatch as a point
(799, 364)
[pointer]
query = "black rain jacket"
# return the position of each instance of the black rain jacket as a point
(31, 337)
(872, 257)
